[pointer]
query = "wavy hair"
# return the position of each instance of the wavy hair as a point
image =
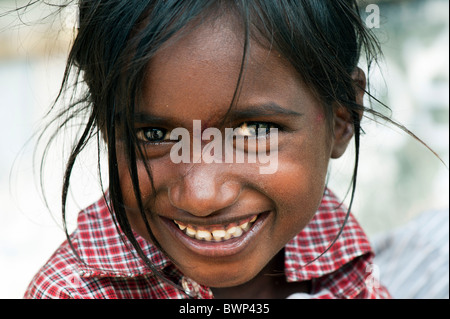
(323, 40)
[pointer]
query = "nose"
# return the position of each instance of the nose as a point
(203, 190)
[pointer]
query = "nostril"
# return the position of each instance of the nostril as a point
(203, 198)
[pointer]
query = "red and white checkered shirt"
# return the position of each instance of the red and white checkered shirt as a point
(110, 267)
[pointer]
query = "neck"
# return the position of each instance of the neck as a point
(270, 283)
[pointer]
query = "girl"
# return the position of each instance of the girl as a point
(283, 71)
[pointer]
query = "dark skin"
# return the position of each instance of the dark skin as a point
(194, 78)
(270, 283)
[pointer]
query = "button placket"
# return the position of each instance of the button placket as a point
(191, 288)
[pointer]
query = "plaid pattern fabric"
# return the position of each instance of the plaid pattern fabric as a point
(110, 267)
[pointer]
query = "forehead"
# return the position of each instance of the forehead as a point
(198, 70)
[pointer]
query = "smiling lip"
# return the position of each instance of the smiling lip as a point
(217, 248)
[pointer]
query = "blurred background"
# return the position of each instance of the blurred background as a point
(398, 180)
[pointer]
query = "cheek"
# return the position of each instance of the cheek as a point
(299, 190)
(319, 119)
(298, 185)
(129, 198)
(126, 185)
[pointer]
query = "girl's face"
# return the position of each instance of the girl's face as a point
(194, 78)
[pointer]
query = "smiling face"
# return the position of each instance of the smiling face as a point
(230, 219)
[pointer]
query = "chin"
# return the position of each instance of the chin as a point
(224, 277)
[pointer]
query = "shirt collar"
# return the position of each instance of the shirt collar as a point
(104, 249)
(314, 240)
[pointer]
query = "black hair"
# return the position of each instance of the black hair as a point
(322, 40)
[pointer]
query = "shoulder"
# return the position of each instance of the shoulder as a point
(350, 256)
(57, 278)
(358, 279)
(331, 240)
(334, 252)
(96, 263)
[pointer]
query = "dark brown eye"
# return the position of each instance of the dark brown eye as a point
(252, 129)
(152, 135)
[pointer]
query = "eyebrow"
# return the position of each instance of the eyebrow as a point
(266, 109)
(251, 111)
(143, 117)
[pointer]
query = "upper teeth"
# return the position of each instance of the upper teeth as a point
(217, 232)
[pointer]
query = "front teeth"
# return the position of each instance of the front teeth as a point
(203, 235)
(218, 233)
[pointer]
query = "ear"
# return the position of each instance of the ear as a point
(343, 123)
